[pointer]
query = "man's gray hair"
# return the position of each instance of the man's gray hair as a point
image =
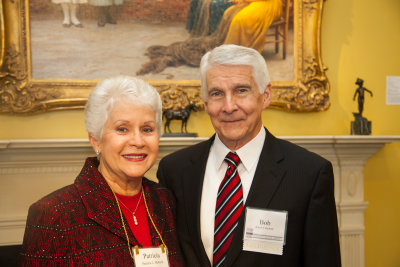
(109, 92)
(235, 55)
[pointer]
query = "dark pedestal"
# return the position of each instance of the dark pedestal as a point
(360, 126)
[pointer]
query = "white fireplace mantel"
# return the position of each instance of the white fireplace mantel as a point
(30, 169)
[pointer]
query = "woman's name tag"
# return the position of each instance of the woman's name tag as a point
(150, 257)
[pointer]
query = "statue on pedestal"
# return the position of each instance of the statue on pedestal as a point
(177, 104)
(360, 126)
(182, 115)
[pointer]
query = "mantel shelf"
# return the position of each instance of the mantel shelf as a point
(168, 141)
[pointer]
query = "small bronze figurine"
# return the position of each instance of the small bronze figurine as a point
(360, 92)
(361, 126)
(182, 115)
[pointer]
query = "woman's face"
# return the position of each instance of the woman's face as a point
(129, 144)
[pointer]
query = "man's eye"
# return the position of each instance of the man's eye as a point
(215, 93)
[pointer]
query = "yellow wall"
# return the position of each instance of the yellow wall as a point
(360, 38)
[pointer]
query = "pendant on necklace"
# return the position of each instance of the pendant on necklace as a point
(135, 220)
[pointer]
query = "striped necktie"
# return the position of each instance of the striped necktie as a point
(228, 209)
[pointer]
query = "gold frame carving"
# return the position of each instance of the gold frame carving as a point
(22, 94)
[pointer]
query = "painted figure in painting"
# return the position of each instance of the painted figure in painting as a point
(244, 23)
(250, 24)
(69, 9)
(104, 10)
(205, 15)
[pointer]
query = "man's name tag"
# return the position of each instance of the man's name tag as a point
(265, 231)
(150, 257)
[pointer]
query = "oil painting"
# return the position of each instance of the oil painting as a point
(86, 40)
(54, 51)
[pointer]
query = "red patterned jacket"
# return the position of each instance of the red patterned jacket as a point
(80, 225)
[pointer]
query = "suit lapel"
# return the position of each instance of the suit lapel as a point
(99, 200)
(193, 178)
(97, 197)
(269, 174)
(266, 180)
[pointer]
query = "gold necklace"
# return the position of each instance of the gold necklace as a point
(163, 246)
(133, 213)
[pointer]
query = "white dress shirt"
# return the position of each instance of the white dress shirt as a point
(214, 174)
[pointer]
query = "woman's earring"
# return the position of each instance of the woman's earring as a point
(98, 154)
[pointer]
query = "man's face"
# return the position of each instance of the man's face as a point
(234, 104)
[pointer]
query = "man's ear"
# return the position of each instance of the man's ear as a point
(267, 96)
(95, 144)
(206, 106)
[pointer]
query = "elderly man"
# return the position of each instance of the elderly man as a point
(245, 197)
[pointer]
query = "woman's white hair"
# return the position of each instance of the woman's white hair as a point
(109, 92)
(235, 55)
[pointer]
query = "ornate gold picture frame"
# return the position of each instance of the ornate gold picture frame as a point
(20, 93)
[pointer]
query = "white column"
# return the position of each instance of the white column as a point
(348, 155)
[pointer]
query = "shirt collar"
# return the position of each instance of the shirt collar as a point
(248, 154)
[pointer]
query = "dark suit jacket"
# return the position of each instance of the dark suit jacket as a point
(80, 225)
(287, 177)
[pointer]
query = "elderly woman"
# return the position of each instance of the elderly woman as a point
(111, 212)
